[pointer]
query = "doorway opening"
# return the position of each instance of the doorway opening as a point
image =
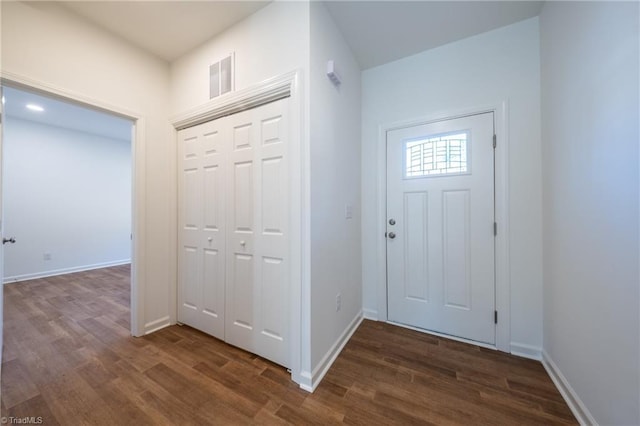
(69, 187)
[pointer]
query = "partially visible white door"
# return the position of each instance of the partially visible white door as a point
(202, 151)
(1, 231)
(258, 233)
(440, 230)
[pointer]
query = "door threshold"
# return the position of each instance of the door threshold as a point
(445, 336)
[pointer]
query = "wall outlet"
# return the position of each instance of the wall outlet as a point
(338, 302)
(46, 256)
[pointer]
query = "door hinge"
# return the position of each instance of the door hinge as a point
(495, 228)
(495, 317)
(495, 141)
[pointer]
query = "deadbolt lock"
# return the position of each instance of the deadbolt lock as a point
(392, 221)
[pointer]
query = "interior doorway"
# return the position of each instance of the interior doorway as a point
(79, 163)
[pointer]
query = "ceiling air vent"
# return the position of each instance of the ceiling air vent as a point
(221, 76)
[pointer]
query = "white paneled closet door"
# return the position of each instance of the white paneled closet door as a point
(257, 267)
(202, 235)
(252, 172)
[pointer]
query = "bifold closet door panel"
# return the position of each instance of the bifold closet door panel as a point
(202, 157)
(258, 233)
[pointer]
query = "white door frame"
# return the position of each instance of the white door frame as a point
(502, 287)
(286, 85)
(138, 184)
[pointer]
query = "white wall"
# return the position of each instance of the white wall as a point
(276, 40)
(482, 70)
(43, 42)
(590, 114)
(271, 42)
(335, 183)
(68, 194)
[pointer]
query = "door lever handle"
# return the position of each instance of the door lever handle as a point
(11, 240)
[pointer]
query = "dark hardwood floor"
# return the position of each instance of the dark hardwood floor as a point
(69, 359)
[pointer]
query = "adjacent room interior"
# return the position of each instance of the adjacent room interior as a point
(67, 187)
(365, 212)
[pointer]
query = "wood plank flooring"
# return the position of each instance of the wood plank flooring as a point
(69, 359)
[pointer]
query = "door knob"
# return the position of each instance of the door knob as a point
(11, 240)
(392, 235)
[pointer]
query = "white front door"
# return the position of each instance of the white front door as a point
(233, 265)
(440, 227)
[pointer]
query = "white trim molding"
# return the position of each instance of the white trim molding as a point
(138, 184)
(526, 351)
(156, 325)
(311, 380)
(63, 271)
(502, 276)
(570, 396)
(370, 314)
(262, 93)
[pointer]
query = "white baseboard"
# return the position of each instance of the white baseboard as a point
(526, 351)
(310, 381)
(156, 325)
(306, 381)
(370, 314)
(572, 399)
(45, 274)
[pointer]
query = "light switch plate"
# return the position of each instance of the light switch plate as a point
(348, 211)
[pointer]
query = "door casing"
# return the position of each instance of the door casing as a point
(138, 184)
(502, 287)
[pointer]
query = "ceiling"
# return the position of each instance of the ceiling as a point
(377, 31)
(64, 114)
(167, 29)
(383, 31)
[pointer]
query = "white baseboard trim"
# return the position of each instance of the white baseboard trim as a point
(310, 381)
(572, 399)
(156, 325)
(526, 351)
(306, 381)
(53, 273)
(370, 314)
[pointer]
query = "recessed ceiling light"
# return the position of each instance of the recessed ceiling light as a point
(34, 107)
